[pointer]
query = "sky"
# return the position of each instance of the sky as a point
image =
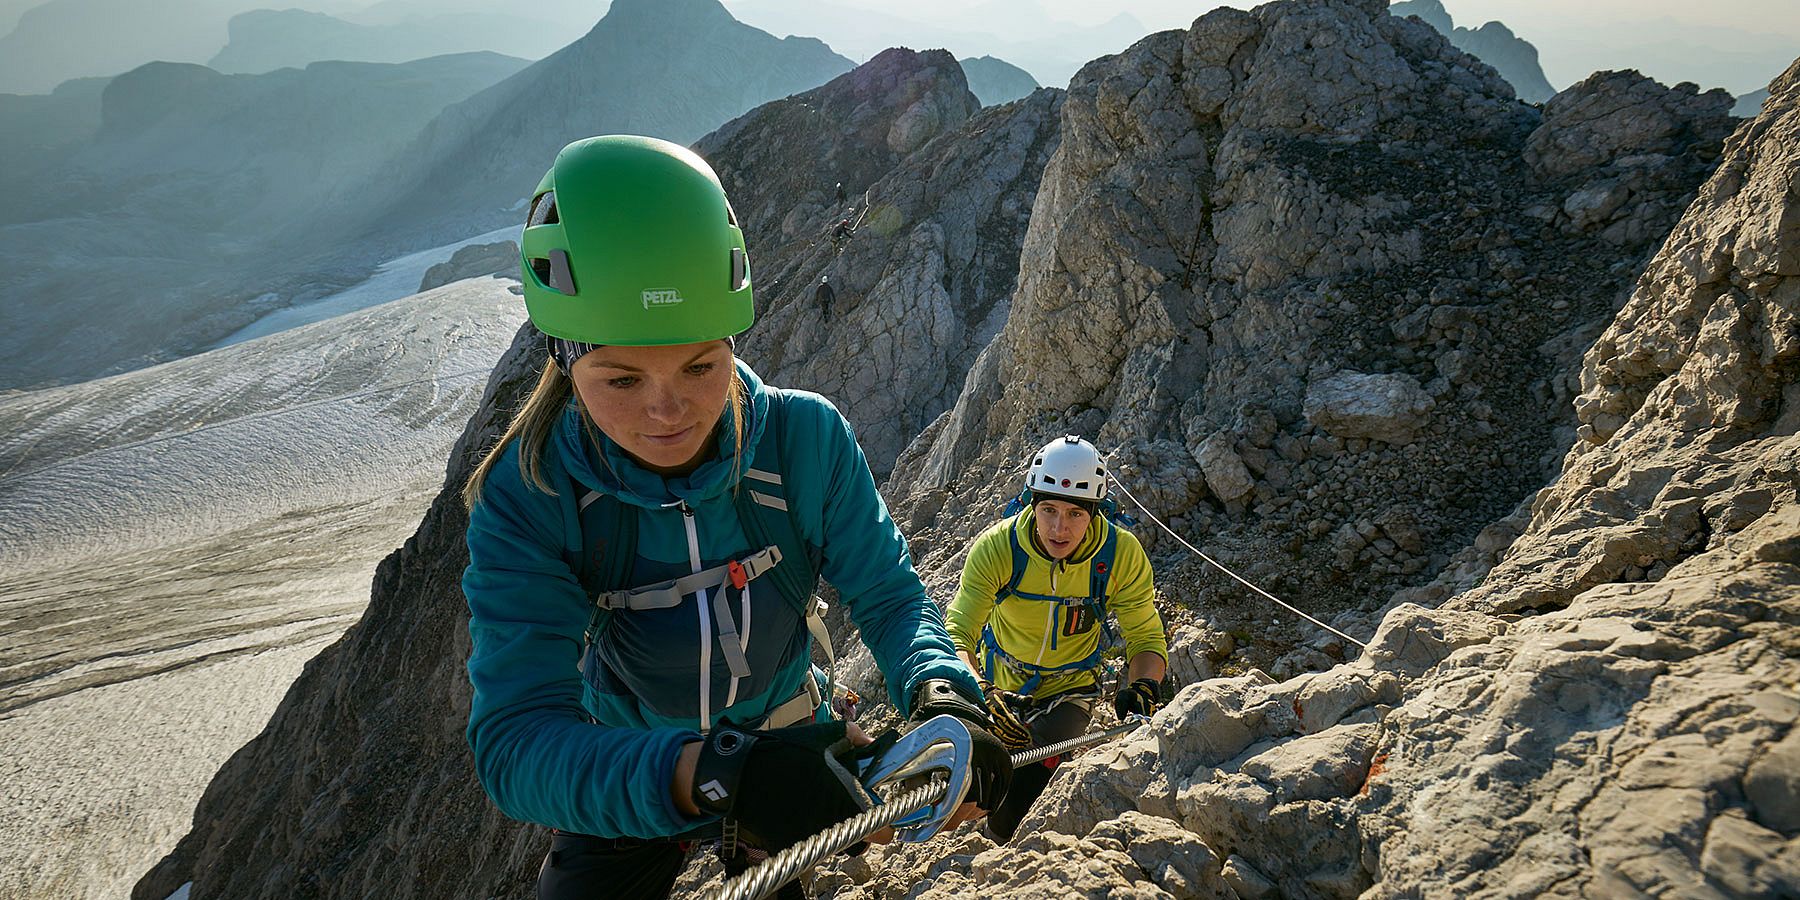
(1736, 44)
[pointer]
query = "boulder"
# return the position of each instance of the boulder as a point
(1388, 408)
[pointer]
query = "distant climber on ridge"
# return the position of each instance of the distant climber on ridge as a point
(1030, 615)
(824, 294)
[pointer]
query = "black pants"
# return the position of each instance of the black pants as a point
(1062, 722)
(581, 867)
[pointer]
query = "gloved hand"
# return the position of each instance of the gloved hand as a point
(1142, 697)
(1008, 727)
(990, 766)
(780, 785)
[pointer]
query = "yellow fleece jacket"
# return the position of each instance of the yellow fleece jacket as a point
(1047, 634)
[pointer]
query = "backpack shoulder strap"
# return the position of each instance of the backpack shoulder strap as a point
(1102, 566)
(1019, 563)
(763, 512)
(609, 543)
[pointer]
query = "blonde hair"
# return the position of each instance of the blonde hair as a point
(532, 425)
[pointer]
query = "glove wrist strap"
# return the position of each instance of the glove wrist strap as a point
(720, 768)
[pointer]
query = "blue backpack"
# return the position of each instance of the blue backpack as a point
(609, 550)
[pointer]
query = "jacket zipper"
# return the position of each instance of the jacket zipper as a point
(1045, 645)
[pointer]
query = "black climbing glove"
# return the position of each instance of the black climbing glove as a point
(1142, 697)
(1007, 726)
(990, 766)
(782, 785)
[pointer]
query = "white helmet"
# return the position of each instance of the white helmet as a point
(1068, 467)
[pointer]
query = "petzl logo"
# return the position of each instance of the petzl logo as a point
(713, 790)
(665, 297)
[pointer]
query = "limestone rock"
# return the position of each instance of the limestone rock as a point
(1613, 115)
(939, 191)
(473, 261)
(1389, 408)
(1226, 475)
(1222, 230)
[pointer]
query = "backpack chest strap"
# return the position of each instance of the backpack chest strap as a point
(737, 573)
(665, 594)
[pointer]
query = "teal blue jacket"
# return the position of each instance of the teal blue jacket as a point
(552, 749)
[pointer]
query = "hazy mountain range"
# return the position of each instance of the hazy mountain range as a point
(220, 198)
(1021, 32)
(61, 39)
(194, 193)
(266, 39)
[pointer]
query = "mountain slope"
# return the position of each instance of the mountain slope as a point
(674, 70)
(1328, 321)
(1492, 43)
(199, 192)
(995, 81)
(940, 191)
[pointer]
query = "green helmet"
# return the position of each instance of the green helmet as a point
(631, 241)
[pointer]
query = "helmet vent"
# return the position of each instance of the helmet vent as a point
(543, 210)
(730, 215)
(740, 269)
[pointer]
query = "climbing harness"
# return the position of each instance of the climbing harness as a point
(1093, 604)
(1221, 567)
(921, 778)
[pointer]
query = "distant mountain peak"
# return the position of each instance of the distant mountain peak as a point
(666, 11)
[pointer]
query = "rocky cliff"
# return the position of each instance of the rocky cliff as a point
(1329, 315)
(1609, 713)
(937, 195)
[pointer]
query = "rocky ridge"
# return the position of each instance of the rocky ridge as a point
(938, 192)
(1610, 713)
(1328, 320)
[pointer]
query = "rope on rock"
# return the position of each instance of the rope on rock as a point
(783, 867)
(1221, 567)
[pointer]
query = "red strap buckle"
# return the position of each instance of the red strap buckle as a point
(739, 577)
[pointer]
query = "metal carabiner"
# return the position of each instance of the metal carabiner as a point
(938, 746)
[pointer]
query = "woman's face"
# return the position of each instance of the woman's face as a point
(1060, 526)
(659, 404)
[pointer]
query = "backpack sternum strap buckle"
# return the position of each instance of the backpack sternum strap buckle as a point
(754, 566)
(666, 594)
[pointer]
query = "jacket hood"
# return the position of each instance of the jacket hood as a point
(1026, 526)
(601, 465)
